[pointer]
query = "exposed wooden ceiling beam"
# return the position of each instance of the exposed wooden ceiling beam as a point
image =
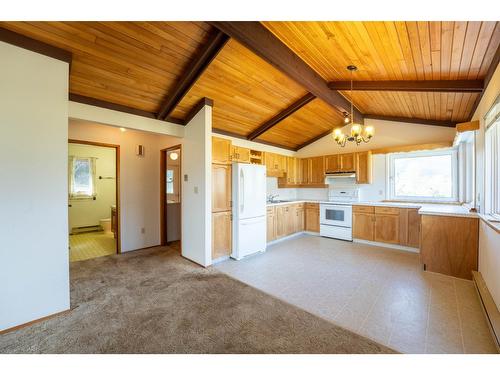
(193, 72)
(425, 86)
(34, 45)
(262, 42)
(235, 135)
(281, 116)
(448, 124)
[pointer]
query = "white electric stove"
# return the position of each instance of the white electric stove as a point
(336, 214)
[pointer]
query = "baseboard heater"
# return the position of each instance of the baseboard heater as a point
(86, 228)
(489, 307)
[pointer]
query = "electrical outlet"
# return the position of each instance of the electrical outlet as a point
(143, 230)
(196, 189)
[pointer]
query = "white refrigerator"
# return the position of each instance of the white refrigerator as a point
(249, 209)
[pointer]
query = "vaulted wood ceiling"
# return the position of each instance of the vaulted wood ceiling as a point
(139, 65)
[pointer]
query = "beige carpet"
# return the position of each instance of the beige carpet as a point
(154, 301)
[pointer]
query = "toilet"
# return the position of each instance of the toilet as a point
(105, 225)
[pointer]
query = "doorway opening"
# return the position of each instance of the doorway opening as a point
(93, 199)
(171, 197)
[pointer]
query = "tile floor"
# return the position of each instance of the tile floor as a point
(377, 292)
(91, 245)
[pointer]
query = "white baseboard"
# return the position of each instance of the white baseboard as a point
(388, 245)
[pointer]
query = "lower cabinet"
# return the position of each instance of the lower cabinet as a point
(284, 220)
(450, 245)
(398, 226)
(363, 226)
(271, 224)
(312, 217)
(221, 234)
(387, 228)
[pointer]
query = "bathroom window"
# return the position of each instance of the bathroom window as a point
(424, 176)
(82, 177)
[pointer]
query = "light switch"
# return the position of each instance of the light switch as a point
(185, 177)
(196, 189)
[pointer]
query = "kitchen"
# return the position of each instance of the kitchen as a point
(342, 199)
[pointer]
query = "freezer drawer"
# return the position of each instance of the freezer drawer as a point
(249, 237)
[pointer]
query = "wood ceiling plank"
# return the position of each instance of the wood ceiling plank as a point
(459, 32)
(311, 120)
(262, 42)
(483, 41)
(246, 90)
(470, 42)
(446, 48)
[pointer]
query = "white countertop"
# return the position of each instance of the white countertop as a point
(424, 208)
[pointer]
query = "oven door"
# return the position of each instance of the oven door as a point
(336, 215)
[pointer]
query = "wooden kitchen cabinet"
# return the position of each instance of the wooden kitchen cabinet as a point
(275, 164)
(413, 228)
(317, 170)
(271, 224)
(304, 171)
(332, 164)
(240, 154)
(221, 150)
(221, 234)
(298, 217)
(312, 217)
(280, 225)
(363, 225)
(387, 227)
(449, 245)
(221, 187)
(363, 167)
(346, 162)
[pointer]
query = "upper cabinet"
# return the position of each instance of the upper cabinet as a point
(332, 163)
(275, 164)
(221, 150)
(240, 154)
(363, 167)
(317, 170)
(347, 162)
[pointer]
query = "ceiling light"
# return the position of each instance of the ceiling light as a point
(358, 133)
(123, 129)
(173, 155)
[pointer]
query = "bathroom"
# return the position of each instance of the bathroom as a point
(92, 210)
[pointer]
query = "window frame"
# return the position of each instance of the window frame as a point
(455, 198)
(73, 195)
(492, 164)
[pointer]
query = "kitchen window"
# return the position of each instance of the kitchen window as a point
(429, 176)
(82, 178)
(492, 165)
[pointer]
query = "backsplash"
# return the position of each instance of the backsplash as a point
(272, 188)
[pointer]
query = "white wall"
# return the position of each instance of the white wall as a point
(139, 179)
(89, 113)
(34, 259)
(387, 134)
(197, 188)
(489, 240)
(84, 212)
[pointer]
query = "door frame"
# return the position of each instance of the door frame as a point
(163, 195)
(117, 184)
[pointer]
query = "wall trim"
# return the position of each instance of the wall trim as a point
(34, 45)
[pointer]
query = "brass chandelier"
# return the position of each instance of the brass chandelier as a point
(358, 133)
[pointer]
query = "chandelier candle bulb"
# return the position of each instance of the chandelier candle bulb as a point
(355, 130)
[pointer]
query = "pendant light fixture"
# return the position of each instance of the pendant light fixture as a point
(358, 133)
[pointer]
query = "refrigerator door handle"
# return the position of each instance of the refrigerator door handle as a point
(242, 191)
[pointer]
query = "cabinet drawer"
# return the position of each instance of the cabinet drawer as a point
(387, 210)
(314, 206)
(364, 209)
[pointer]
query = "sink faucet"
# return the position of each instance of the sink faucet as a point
(272, 197)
